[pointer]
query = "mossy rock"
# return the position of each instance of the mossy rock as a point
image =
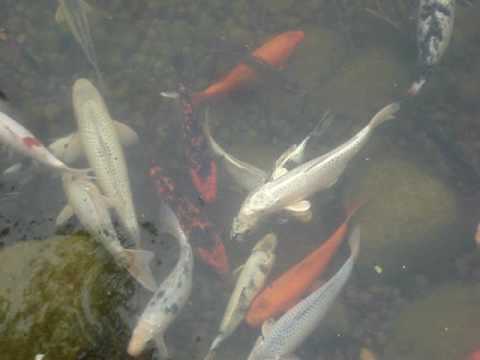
(411, 222)
(61, 297)
(442, 326)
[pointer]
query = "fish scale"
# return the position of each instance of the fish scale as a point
(104, 152)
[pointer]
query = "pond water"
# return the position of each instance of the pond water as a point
(278, 66)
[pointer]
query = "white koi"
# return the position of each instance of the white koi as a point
(18, 138)
(292, 188)
(170, 297)
(68, 149)
(281, 338)
(102, 147)
(91, 208)
(250, 281)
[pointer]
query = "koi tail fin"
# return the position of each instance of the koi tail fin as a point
(215, 257)
(138, 265)
(386, 113)
(205, 181)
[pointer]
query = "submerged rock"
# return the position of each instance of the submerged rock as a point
(61, 297)
(410, 224)
(443, 326)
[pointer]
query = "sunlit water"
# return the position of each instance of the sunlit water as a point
(413, 294)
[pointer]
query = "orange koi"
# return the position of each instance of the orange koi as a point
(292, 285)
(274, 52)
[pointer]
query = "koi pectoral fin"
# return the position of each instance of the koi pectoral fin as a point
(300, 211)
(299, 207)
(65, 214)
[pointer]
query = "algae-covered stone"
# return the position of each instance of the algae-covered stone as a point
(60, 297)
(410, 223)
(442, 326)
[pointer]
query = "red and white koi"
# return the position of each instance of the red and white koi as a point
(20, 139)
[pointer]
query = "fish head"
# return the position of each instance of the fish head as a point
(242, 226)
(142, 334)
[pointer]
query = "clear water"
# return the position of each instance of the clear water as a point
(414, 292)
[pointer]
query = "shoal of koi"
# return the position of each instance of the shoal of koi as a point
(298, 310)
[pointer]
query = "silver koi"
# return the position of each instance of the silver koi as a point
(292, 188)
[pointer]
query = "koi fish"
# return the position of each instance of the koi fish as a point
(285, 291)
(252, 277)
(170, 297)
(281, 338)
(202, 167)
(15, 136)
(274, 52)
(201, 232)
(104, 153)
(248, 176)
(434, 31)
(68, 149)
(75, 14)
(293, 187)
(91, 208)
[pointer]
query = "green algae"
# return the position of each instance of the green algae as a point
(59, 297)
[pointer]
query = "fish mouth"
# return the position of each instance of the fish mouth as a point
(142, 334)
